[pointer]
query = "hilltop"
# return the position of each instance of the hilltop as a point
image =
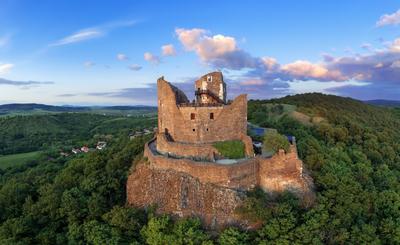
(353, 155)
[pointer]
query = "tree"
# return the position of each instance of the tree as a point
(273, 141)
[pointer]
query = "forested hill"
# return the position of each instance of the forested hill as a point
(388, 103)
(19, 134)
(339, 109)
(351, 149)
(31, 108)
(353, 152)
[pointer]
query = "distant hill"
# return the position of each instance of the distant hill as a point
(32, 108)
(388, 103)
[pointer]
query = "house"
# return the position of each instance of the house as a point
(101, 145)
(76, 151)
(136, 134)
(85, 149)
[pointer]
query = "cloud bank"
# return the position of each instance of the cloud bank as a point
(379, 67)
(24, 84)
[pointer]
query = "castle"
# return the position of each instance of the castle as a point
(186, 175)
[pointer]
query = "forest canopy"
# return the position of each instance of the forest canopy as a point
(353, 155)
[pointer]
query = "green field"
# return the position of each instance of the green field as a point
(17, 159)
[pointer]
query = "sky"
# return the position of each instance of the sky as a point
(71, 52)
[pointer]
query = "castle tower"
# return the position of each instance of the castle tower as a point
(196, 126)
(211, 89)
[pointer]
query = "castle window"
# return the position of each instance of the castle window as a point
(194, 130)
(207, 129)
(211, 115)
(192, 116)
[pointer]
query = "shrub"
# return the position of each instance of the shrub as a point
(274, 141)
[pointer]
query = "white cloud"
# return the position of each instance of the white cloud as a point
(389, 19)
(91, 33)
(168, 50)
(89, 64)
(135, 67)
(151, 58)
(218, 50)
(79, 36)
(122, 57)
(270, 63)
(395, 45)
(5, 68)
(207, 47)
(307, 70)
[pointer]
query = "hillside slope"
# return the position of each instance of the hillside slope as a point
(20, 134)
(353, 156)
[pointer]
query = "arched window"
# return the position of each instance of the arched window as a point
(211, 115)
(192, 116)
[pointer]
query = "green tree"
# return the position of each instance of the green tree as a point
(274, 141)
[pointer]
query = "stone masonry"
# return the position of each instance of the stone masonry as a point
(179, 173)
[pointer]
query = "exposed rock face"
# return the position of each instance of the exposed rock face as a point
(183, 195)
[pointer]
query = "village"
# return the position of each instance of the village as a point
(101, 145)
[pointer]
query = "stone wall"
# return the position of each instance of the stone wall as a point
(203, 151)
(217, 86)
(208, 190)
(281, 172)
(242, 175)
(182, 195)
(229, 123)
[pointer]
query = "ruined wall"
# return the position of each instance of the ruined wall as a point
(229, 123)
(211, 191)
(213, 82)
(281, 172)
(196, 151)
(182, 195)
(242, 175)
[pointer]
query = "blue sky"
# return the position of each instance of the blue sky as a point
(112, 52)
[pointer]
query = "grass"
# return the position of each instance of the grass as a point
(17, 159)
(232, 149)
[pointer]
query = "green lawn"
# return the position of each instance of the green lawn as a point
(232, 149)
(17, 159)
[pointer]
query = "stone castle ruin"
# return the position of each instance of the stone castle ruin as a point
(184, 174)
